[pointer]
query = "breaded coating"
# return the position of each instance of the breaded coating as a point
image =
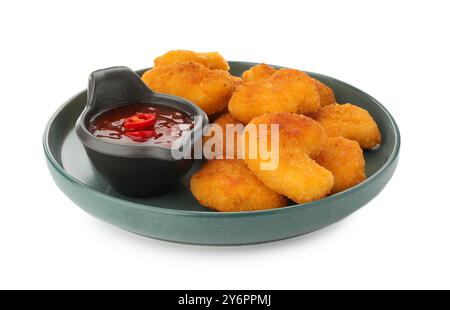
(258, 72)
(228, 185)
(326, 94)
(345, 159)
(351, 122)
(286, 90)
(263, 71)
(209, 89)
(223, 121)
(296, 131)
(211, 60)
(237, 80)
(297, 175)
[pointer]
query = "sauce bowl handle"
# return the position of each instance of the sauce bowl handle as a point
(116, 85)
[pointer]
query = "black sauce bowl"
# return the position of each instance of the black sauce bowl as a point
(134, 169)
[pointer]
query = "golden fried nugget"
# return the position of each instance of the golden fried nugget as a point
(296, 131)
(228, 185)
(211, 60)
(286, 90)
(227, 136)
(209, 89)
(258, 72)
(263, 71)
(351, 122)
(345, 159)
(326, 94)
(297, 175)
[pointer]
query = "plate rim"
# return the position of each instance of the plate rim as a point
(392, 159)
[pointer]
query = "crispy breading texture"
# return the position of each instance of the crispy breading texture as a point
(211, 60)
(297, 175)
(345, 159)
(263, 71)
(258, 72)
(286, 90)
(232, 150)
(296, 131)
(326, 94)
(229, 186)
(351, 122)
(209, 89)
(237, 80)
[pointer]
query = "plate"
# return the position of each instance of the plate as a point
(176, 216)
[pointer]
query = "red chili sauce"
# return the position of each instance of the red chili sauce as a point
(142, 123)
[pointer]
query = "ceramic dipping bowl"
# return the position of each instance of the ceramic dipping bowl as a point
(135, 169)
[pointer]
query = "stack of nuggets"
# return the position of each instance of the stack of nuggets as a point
(320, 141)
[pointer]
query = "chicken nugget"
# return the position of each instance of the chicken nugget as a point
(351, 122)
(326, 94)
(230, 137)
(258, 72)
(209, 89)
(296, 175)
(345, 159)
(263, 71)
(228, 185)
(296, 131)
(286, 90)
(211, 60)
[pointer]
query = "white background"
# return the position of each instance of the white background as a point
(396, 51)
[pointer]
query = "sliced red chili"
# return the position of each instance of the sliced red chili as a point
(140, 136)
(140, 121)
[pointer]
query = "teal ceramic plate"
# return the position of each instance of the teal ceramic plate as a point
(176, 216)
